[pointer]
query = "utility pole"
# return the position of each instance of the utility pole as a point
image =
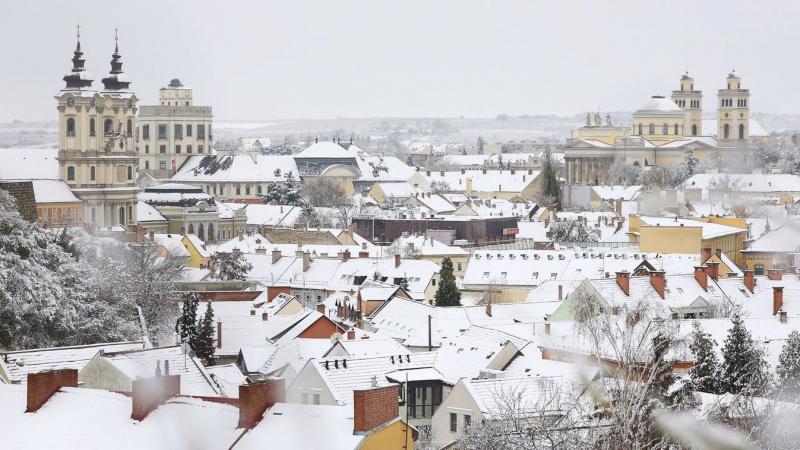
(430, 342)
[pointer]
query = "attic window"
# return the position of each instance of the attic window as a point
(553, 276)
(503, 274)
(535, 275)
(485, 274)
(680, 290)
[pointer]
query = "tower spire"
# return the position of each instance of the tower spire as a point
(78, 77)
(116, 80)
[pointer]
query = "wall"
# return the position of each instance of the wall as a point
(322, 328)
(309, 381)
(459, 401)
(99, 373)
(397, 436)
(663, 239)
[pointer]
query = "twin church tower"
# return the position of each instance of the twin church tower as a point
(733, 109)
(97, 157)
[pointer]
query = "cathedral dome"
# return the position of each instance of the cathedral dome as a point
(658, 103)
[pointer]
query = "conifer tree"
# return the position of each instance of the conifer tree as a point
(230, 266)
(204, 347)
(551, 188)
(447, 294)
(706, 365)
(788, 369)
(186, 326)
(743, 367)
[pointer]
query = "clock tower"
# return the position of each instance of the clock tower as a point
(96, 144)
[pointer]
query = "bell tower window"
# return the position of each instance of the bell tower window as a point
(741, 131)
(70, 127)
(108, 127)
(92, 127)
(129, 128)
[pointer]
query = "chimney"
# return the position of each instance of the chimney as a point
(396, 261)
(363, 254)
(463, 171)
(219, 334)
(306, 261)
(484, 170)
(276, 255)
(261, 251)
(718, 252)
(374, 407)
(149, 393)
(750, 281)
(713, 270)
(364, 245)
(513, 171)
(530, 171)
(547, 328)
(701, 276)
(256, 398)
(659, 281)
(321, 308)
(42, 386)
(345, 255)
(351, 334)
(784, 316)
(624, 281)
(428, 173)
(777, 299)
(265, 316)
(705, 253)
(441, 172)
(561, 292)
(775, 274)
(489, 309)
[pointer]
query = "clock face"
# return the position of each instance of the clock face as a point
(71, 102)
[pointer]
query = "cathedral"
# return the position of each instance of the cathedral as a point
(96, 152)
(664, 132)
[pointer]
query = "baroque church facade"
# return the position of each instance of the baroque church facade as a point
(664, 132)
(96, 154)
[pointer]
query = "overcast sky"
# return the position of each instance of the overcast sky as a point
(261, 60)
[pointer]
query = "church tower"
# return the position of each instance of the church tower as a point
(733, 116)
(691, 102)
(96, 144)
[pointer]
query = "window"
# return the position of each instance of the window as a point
(676, 129)
(177, 148)
(91, 173)
(651, 128)
(70, 173)
(130, 173)
(467, 421)
(94, 215)
(238, 189)
(247, 189)
(453, 423)
(162, 131)
(665, 129)
(162, 149)
(201, 131)
(178, 131)
(147, 148)
(92, 127)
(129, 128)
(188, 129)
(741, 131)
(433, 281)
(316, 399)
(458, 265)
(162, 165)
(694, 130)
(258, 189)
(146, 131)
(726, 131)
(188, 149)
(200, 148)
(70, 127)
(759, 269)
(640, 129)
(108, 127)
(147, 165)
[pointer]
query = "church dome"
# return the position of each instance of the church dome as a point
(733, 75)
(658, 103)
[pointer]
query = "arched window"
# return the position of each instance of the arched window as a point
(741, 131)
(726, 131)
(694, 130)
(130, 212)
(258, 189)
(121, 215)
(92, 127)
(640, 129)
(191, 228)
(70, 127)
(651, 129)
(109, 127)
(91, 173)
(676, 129)
(759, 269)
(200, 232)
(665, 129)
(129, 128)
(211, 237)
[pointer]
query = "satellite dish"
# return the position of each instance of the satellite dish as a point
(336, 337)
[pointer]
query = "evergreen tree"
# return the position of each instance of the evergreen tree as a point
(204, 347)
(743, 366)
(551, 188)
(230, 266)
(704, 372)
(286, 193)
(447, 294)
(186, 325)
(481, 145)
(788, 369)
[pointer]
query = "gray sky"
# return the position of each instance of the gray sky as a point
(322, 59)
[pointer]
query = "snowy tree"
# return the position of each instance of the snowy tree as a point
(481, 145)
(186, 325)
(704, 372)
(573, 231)
(285, 193)
(323, 191)
(308, 216)
(205, 345)
(625, 174)
(550, 188)
(447, 294)
(440, 186)
(743, 366)
(230, 266)
(788, 369)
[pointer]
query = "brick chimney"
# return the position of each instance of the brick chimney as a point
(256, 398)
(428, 172)
(149, 393)
(701, 276)
(374, 407)
(363, 254)
(265, 316)
(321, 308)
(750, 281)
(718, 252)
(489, 309)
(777, 299)
(624, 281)
(713, 270)
(547, 328)
(705, 253)
(658, 280)
(775, 274)
(351, 334)
(276, 255)
(345, 255)
(42, 386)
(396, 261)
